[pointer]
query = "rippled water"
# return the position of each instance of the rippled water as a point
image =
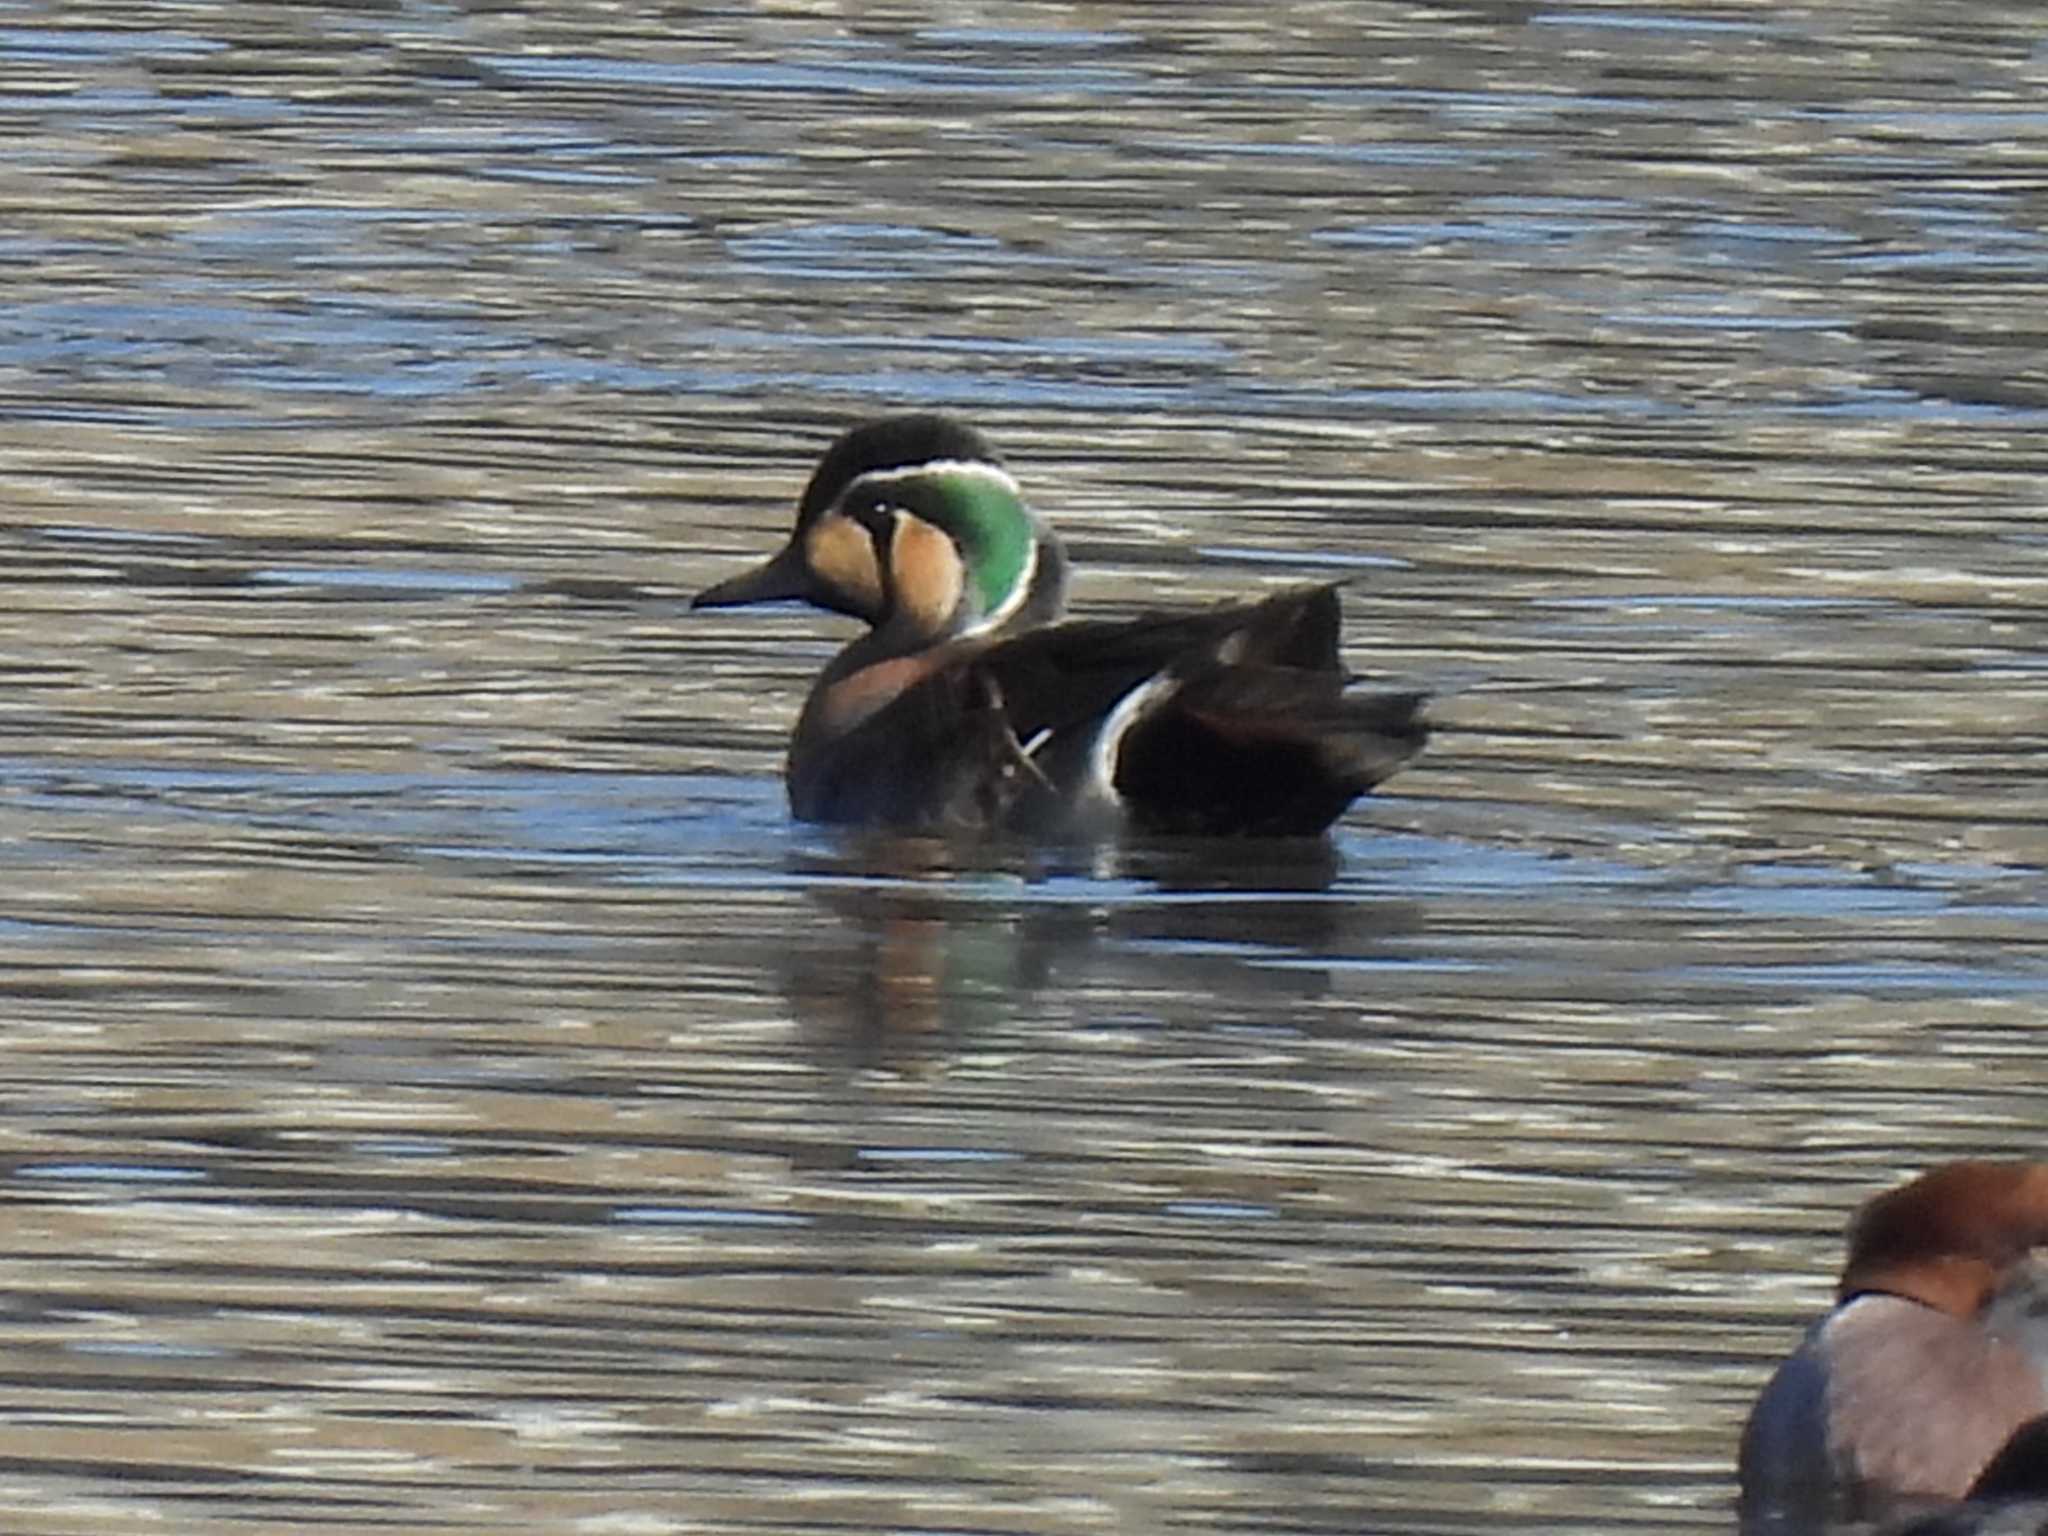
(444, 1092)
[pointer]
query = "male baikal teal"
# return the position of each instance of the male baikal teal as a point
(969, 706)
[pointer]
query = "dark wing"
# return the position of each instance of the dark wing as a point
(1267, 750)
(1235, 720)
(1252, 732)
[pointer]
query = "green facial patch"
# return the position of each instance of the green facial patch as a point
(978, 506)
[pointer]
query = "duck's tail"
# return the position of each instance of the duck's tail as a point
(1264, 750)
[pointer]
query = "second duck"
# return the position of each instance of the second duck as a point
(965, 707)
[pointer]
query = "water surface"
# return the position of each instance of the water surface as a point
(445, 1092)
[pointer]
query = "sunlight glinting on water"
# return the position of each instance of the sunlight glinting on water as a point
(445, 1089)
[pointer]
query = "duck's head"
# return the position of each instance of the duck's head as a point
(910, 523)
(1952, 1239)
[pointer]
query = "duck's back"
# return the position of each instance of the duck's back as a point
(1232, 720)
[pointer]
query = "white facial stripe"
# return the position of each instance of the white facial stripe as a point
(974, 469)
(1018, 593)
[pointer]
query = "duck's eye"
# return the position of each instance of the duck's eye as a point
(875, 515)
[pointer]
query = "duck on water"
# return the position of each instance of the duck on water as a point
(1927, 1382)
(967, 705)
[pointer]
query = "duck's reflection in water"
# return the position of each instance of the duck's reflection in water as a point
(927, 945)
